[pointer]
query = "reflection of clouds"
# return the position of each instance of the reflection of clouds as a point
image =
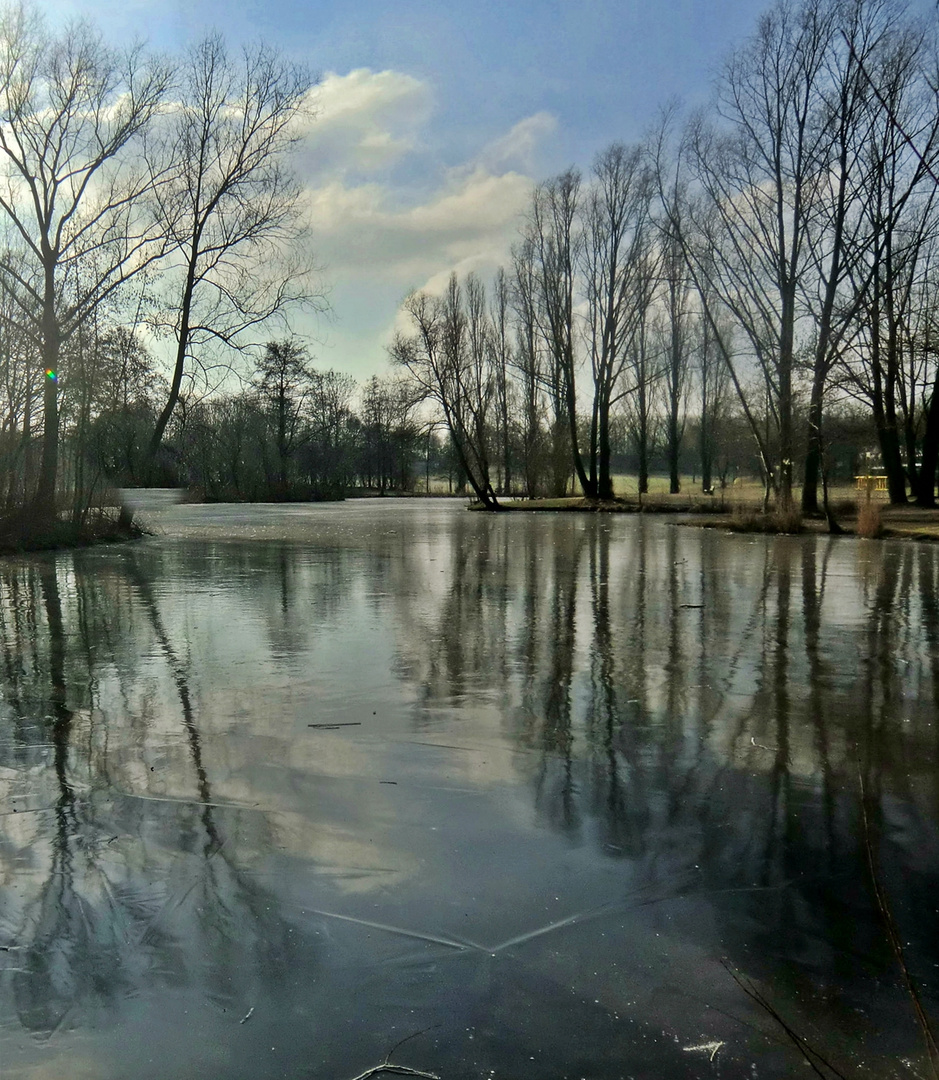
(341, 855)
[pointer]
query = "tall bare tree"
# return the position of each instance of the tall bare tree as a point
(844, 226)
(438, 357)
(500, 349)
(619, 282)
(528, 365)
(762, 167)
(73, 114)
(899, 209)
(284, 383)
(554, 238)
(679, 324)
(231, 210)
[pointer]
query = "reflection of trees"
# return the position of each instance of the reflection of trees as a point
(697, 705)
(144, 590)
(895, 752)
(44, 985)
(115, 888)
(554, 785)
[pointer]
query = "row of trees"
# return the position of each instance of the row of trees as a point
(768, 262)
(134, 190)
(294, 432)
(290, 432)
(773, 256)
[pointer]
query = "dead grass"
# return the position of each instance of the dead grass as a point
(869, 520)
(745, 519)
(739, 509)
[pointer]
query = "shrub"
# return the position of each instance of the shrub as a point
(787, 521)
(743, 519)
(778, 521)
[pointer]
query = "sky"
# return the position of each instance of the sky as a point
(435, 120)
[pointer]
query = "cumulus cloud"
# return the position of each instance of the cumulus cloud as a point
(365, 121)
(516, 148)
(471, 219)
(387, 217)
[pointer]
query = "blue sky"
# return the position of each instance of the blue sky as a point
(437, 118)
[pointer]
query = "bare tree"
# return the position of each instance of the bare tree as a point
(844, 225)
(701, 233)
(644, 365)
(619, 282)
(677, 288)
(528, 364)
(21, 390)
(713, 380)
(231, 210)
(480, 378)
(762, 169)
(389, 435)
(899, 208)
(554, 238)
(437, 357)
(72, 116)
(500, 349)
(327, 455)
(284, 384)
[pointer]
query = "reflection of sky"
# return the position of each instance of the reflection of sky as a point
(637, 739)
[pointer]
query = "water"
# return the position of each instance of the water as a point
(284, 786)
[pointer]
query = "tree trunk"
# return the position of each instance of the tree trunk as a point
(182, 347)
(706, 467)
(643, 447)
(813, 457)
(44, 501)
(604, 477)
(674, 479)
(926, 478)
(786, 348)
(587, 483)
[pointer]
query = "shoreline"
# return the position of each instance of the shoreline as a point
(896, 522)
(19, 536)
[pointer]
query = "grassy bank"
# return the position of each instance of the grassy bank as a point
(20, 532)
(740, 509)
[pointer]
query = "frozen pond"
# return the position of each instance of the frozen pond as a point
(284, 786)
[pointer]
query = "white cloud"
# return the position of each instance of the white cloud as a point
(471, 218)
(365, 121)
(387, 218)
(516, 149)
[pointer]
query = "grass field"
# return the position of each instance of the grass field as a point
(744, 499)
(744, 492)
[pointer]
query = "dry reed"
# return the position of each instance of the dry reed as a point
(869, 522)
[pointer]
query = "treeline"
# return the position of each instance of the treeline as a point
(769, 261)
(297, 433)
(744, 289)
(291, 432)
